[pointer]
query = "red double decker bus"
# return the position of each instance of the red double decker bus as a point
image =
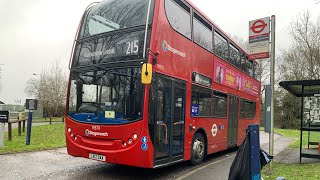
(155, 82)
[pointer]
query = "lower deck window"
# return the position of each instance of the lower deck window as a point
(247, 109)
(201, 102)
(219, 104)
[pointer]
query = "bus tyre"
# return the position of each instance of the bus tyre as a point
(197, 149)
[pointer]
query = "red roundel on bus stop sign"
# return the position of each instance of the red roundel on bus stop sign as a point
(258, 26)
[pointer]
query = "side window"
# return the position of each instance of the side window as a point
(234, 56)
(247, 109)
(219, 104)
(220, 46)
(242, 113)
(249, 67)
(178, 15)
(202, 32)
(243, 62)
(200, 102)
(256, 71)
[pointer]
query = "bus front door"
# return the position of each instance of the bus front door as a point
(169, 117)
(233, 121)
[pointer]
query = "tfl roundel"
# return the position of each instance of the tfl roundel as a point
(259, 26)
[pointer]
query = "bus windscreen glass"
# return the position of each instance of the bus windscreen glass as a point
(106, 97)
(111, 15)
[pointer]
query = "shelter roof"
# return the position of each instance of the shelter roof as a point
(301, 88)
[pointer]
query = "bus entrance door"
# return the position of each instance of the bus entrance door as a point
(169, 118)
(233, 121)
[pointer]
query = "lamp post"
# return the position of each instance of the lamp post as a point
(42, 99)
(34, 74)
(38, 87)
(1, 77)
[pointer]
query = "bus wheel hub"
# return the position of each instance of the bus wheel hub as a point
(198, 148)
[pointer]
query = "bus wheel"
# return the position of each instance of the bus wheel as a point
(198, 149)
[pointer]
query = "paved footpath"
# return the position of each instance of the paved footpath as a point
(219, 170)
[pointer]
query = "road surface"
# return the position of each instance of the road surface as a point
(56, 164)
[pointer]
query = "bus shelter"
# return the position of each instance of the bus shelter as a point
(309, 91)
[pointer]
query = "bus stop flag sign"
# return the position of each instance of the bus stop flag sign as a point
(259, 35)
(31, 104)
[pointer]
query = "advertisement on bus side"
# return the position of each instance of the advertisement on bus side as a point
(229, 77)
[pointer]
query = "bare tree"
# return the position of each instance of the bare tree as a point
(50, 89)
(240, 41)
(302, 59)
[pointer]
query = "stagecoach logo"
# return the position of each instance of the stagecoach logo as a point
(89, 132)
(166, 47)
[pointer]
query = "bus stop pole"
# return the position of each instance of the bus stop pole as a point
(272, 69)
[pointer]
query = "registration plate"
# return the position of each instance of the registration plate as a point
(97, 157)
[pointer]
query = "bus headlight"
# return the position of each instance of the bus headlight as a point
(129, 141)
(124, 144)
(135, 136)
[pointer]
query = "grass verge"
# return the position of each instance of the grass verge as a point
(295, 171)
(54, 119)
(292, 171)
(314, 136)
(42, 137)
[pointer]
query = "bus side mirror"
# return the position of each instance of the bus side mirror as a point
(146, 73)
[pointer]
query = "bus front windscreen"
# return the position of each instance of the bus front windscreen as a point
(113, 31)
(111, 15)
(106, 97)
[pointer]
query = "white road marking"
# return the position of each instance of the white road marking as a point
(203, 167)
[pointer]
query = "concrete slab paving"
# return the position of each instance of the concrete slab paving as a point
(291, 156)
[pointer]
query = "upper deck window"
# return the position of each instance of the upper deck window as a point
(234, 56)
(249, 68)
(220, 46)
(202, 32)
(111, 15)
(256, 70)
(243, 58)
(178, 15)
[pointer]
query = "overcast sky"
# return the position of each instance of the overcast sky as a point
(35, 32)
